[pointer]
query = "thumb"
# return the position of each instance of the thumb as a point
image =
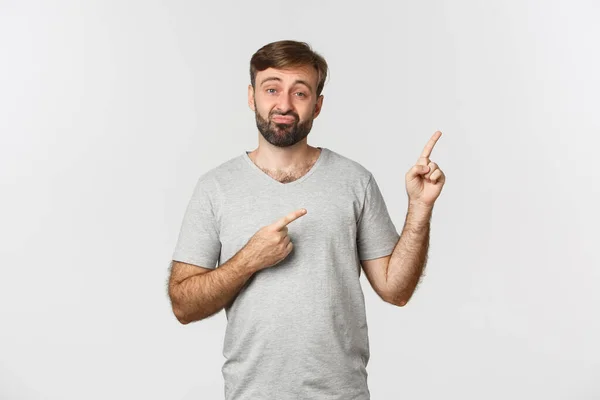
(417, 170)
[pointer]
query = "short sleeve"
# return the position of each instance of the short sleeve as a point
(198, 241)
(376, 234)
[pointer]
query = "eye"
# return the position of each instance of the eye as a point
(273, 90)
(301, 94)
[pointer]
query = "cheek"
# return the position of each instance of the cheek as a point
(261, 109)
(307, 111)
(264, 107)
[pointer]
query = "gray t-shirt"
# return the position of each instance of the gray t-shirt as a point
(297, 330)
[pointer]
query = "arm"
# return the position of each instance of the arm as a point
(395, 277)
(197, 293)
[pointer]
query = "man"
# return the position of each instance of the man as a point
(290, 226)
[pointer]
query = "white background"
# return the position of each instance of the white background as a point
(110, 111)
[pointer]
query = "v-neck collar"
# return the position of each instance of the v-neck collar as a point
(298, 181)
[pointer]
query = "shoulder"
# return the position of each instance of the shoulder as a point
(213, 182)
(349, 169)
(221, 172)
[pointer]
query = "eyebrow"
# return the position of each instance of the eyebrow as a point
(297, 81)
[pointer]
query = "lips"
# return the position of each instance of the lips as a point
(283, 119)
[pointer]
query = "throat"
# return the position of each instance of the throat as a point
(290, 174)
(286, 176)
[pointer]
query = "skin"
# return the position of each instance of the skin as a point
(283, 153)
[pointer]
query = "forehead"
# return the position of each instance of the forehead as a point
(289, 75)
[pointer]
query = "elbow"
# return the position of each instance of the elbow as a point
(397, 300)
(398, 303)
(186, 316)
(181, 316)
(401, 303)
(177, 307)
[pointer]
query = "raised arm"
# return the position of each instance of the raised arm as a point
(396, 277)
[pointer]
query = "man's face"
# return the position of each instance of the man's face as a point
(285, 104)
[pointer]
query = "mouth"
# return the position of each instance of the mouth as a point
(283, 119)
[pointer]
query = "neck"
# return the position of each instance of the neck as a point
(276, 158)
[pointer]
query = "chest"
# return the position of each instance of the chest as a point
(331, 220)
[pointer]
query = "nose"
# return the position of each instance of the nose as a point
(283, 103)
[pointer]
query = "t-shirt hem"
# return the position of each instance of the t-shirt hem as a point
(378, 253)
(382, 252)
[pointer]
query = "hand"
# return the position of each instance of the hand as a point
(425, 180)
(271, 244)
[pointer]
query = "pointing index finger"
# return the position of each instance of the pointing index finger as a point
(429, 146)
(280, 224)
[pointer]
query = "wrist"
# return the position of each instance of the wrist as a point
(419, 213)
(247, 261)
(419, 206)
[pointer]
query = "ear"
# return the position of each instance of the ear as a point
(318, 106)
(251, 97)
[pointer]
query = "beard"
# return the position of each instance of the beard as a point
(283, 135)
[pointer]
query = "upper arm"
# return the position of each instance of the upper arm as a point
(376, 234)
(198, 242)
(376, 271)
(376, 238)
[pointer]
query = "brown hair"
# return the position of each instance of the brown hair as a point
(288, 54)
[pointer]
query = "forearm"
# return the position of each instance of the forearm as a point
(409, 257)
(200, 296)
